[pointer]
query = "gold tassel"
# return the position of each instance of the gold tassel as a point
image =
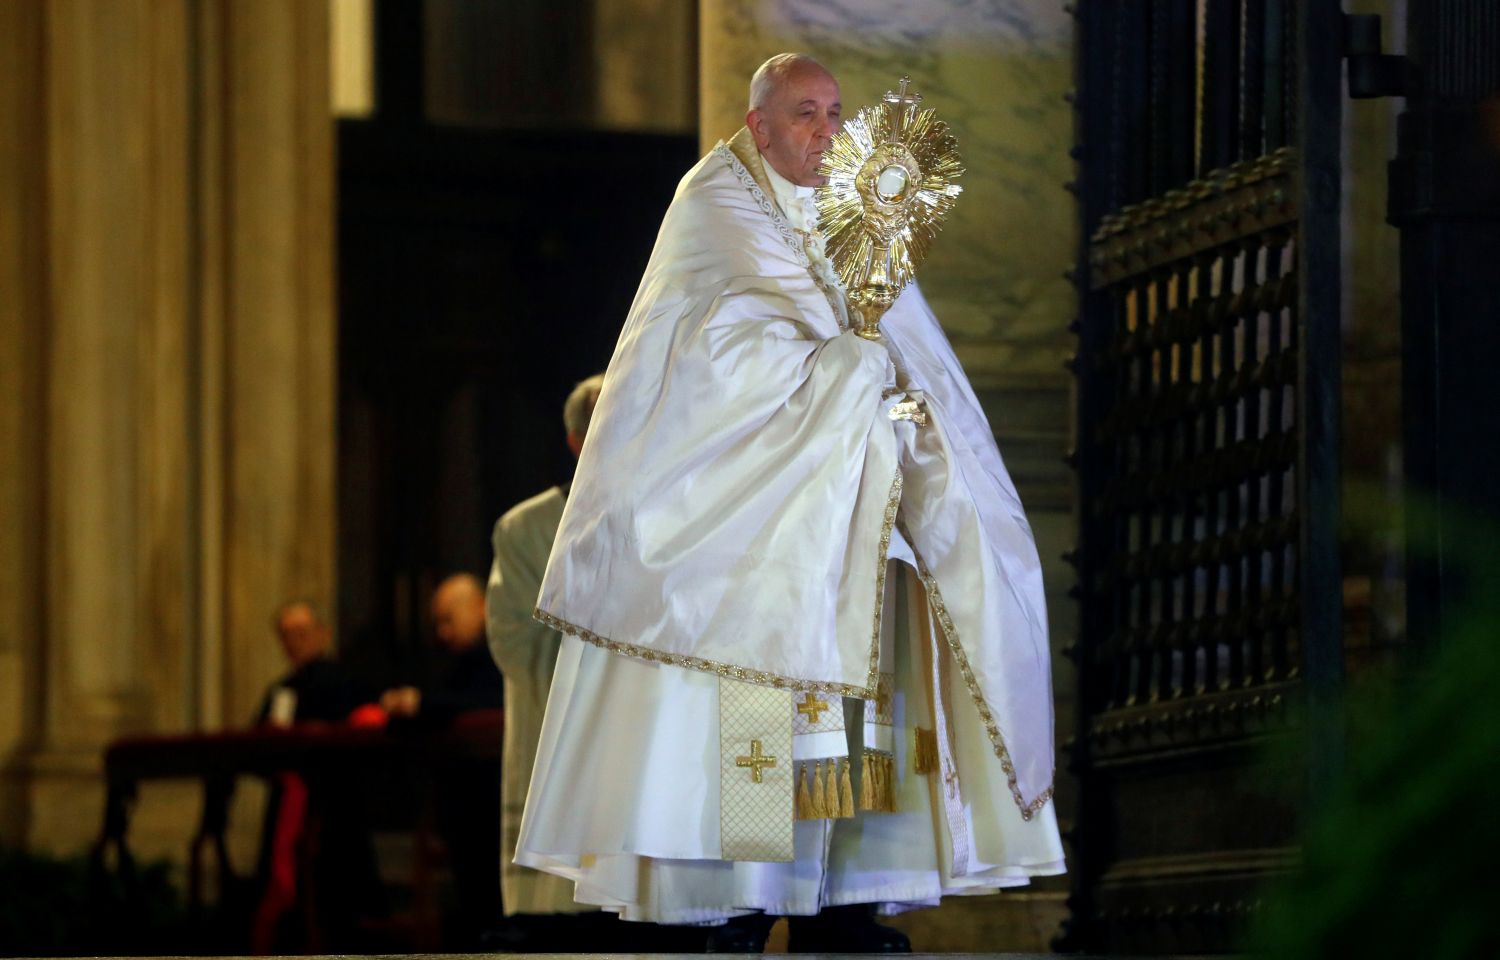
(819, 811)
(877, 789)
(825, 789)
(831, 790)
(804, 796)
(888, 783)
(867, 782)
(926, 751)
(846, 790)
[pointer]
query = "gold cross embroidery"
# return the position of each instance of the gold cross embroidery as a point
(755, 761)
(812, 708)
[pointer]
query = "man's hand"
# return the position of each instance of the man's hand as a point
(401, 701)
(907, 405)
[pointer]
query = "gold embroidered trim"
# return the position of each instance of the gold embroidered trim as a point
(760, 190)
(744, 160)
(882, 709)
(887, 523)
(925, 754)
(744, 674)
(869, 691)
(950, 634)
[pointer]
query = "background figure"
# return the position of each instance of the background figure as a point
(526, 651)
(543, 914)
(317, 687)
(467, 791)
(465, 678)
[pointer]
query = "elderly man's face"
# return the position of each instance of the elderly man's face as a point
(794, 128)
(302, 635)
(458, 615)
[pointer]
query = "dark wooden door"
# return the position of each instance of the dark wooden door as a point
(1207, 449)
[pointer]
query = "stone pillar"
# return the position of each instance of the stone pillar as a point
(997, 74)
(22, 302)
(168, 337)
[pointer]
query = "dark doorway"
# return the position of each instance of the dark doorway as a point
(484, 269)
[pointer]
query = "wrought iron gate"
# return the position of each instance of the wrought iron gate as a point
(1207, 453)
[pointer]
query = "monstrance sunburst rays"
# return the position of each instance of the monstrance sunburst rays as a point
(891, 173)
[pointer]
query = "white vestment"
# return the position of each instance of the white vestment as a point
(525, 651)
(749, 510)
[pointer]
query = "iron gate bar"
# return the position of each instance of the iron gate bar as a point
(1318, 122)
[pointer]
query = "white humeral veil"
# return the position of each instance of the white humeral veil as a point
(729, 519)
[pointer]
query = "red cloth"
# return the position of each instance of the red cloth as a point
(368, 716)
(281, 884)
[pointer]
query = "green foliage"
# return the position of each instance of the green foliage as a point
(61, 907)
(1400, 863)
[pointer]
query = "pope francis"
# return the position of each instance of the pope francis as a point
(805, 661)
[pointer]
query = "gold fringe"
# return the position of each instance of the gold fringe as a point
(804, 797)
(846, 789)
(866, 782)
(818, 790)
(877, 787)
(926, 752)
(825, 790)
(831, 790)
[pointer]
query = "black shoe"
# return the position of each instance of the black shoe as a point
(740, 934)
(846, 929)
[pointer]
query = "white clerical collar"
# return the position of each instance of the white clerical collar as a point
(792, 198)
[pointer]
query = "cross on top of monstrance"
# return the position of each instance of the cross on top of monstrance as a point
(890, 184)
(902, 99)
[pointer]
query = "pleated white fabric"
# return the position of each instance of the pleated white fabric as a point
(624, 799)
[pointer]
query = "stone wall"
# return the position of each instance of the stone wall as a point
(167, 344)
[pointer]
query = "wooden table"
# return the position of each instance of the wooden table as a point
(317, 752)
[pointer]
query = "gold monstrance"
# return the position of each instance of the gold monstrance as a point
(891, 173)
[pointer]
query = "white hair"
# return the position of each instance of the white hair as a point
(579, 406)
(770, 74)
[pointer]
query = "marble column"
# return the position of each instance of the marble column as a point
(22, 303)
(996, 70)
(167, 435)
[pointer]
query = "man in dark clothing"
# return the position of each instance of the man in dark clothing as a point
(468, 791)
(466, 678)
(317, 687)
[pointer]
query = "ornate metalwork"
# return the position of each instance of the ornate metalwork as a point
(1245, 199)
(1207, 437)
(891, 173)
